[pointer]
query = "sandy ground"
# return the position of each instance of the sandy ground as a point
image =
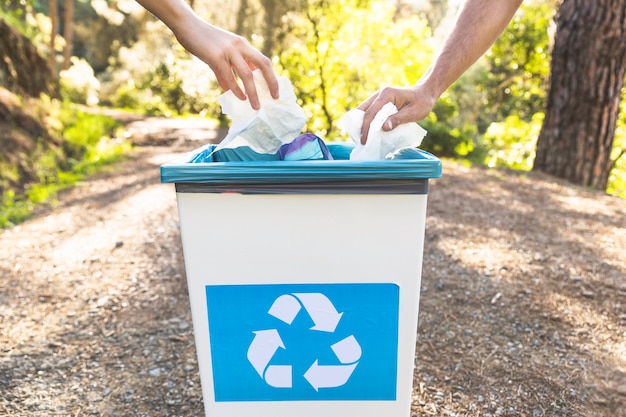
(522, 310)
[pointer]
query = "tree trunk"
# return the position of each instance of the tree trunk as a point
(271, 17)
(68, 32)
(242, 16)
(587, 76)
(274, 11)
(54, 20)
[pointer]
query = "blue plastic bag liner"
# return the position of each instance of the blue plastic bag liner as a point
(408, 172)
(241, 153)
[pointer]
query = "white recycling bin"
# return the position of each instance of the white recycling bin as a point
(304, 282)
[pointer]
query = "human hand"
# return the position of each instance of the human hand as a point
(413, 103)
(228, 54)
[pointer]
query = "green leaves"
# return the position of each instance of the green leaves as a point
(338, 53)
(519, 64)
(503, 97)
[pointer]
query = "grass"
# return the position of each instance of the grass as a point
(89, 143)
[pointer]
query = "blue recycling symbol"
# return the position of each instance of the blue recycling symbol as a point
(303, 342)
(325, 318)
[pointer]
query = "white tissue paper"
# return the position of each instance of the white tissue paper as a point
(380, 144)
(277, 122)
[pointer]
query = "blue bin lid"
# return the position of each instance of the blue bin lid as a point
(408, 164)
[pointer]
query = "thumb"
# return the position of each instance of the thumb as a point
(391, 123)
(404, 115)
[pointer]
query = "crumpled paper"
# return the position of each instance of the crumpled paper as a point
(380, 144)
(277, 122)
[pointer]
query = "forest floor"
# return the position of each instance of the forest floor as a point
(522, 309)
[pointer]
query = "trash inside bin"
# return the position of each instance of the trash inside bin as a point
(304, 281)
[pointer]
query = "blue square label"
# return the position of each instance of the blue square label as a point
(304, 342)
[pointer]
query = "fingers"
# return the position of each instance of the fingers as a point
(272, 81)
(256, 60)
(230, 56)
(235, 67)
(264, 64)
(226, 79)
(237, 60)
(413, 104)
(369, 115)
(405, 115)
(244, 72)
(371, 107)
(390, 123)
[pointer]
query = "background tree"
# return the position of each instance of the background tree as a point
(518, 65)
(246, 20)
(54, 28)
(513, 84)
(274, 10)
(617, 179)
(337, 53)
(434, 11)
(493, 113)
(17, 9)
(587, 76)
(68, 32)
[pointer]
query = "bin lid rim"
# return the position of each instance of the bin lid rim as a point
(422, 165)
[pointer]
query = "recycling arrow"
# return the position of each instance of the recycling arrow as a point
(263, 348)
(348, 351)
(321, 310)
(328, 376)
(285, 308)
(278, 376)
(323, 313)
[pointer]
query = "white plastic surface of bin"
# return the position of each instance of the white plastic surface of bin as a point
(304, 301)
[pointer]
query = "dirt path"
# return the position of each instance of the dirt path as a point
(523, 305)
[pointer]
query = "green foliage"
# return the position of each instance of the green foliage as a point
(157, 77)
(79, 84)
(167, 84)
(89, 139)
(501, 99)
(434, 11)
(89, 142)
(102, 29)
(337, 53)
(444, 139)
(518, 65)
(617, 178)
(15, 13)
(511, 143)
(178, 88)
(493, 113)
(14, 210)
(25, 17)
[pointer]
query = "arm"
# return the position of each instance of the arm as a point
(479, 24)
(223, 51)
